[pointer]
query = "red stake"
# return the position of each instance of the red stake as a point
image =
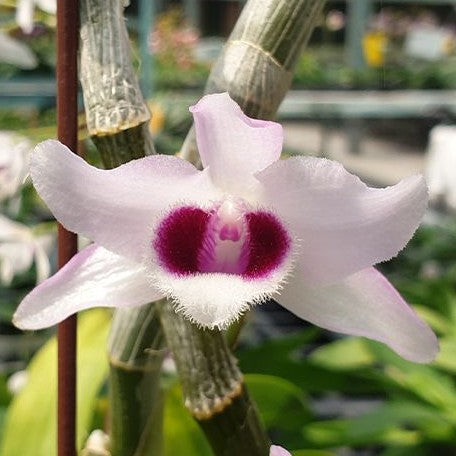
(67, 128)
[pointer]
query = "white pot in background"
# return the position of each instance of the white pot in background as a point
(441, 165)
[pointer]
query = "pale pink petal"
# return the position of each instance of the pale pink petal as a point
(364, 304)
(232, 145)
(278, 451)
(95, 277)
(343, 225)
(115, 208)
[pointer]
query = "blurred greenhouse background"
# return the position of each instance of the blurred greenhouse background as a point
(375, 90)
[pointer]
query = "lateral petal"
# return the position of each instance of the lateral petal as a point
(364, 304)
(114, 208)
(343, 225)
(95, 277)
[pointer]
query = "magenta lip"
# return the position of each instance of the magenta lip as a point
(269, 244)
(184, 231)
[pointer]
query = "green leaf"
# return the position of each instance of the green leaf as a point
(284, 358)
(2, 420)
(30, 428)
(424, 381)
(311, 453)
(182, 436)
(415, 450)
(446, 359)
(435, 319)
(344, 354)
(335, 433)
(398, 414)
(282, 405)
(5, 395)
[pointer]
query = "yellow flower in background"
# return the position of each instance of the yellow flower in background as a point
(449, 45)
(374, 47)
(157, 121)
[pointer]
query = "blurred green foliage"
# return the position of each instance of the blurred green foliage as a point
(325, 68)
(411, 408)
(30, 424)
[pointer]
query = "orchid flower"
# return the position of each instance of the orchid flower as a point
(17, 53)
(20, 248)
(246, 228)
(25, 11)
(278, 451)
(14, 153)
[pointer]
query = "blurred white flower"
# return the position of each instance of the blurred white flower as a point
(441, 165)
(25, 10)
(97, 444)
(169, 365)
(19, 248)
(17, 382)
(430, 270)
(335, 20)
(16, 53)
(14, 153)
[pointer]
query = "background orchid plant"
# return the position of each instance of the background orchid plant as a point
(20, 247)
(247, 228)
(14, 157)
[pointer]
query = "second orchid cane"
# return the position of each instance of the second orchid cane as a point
(269, 35)
(257, 63)
(67, 127)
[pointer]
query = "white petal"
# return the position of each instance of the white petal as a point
(232, 145)
(14, 151)
(115, 208)
(216, 300)
(24, 15)
(49, 6)
(364, 304)
(93, 278)
(43, 267)
(17, 255)
(6, 271)
(13, 231)
(16, 53)
(343, 225)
